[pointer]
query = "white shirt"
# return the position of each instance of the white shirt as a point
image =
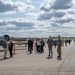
(38, 43)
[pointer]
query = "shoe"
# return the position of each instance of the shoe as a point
(30, 52)
(5, 58)
(59, 56)
(48, 55)
(11, 56)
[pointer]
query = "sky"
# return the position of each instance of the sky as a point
(37, 18)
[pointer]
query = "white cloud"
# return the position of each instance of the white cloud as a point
(9, 5)
(55, 11)
(7, 26)
(52, 19)
(29, 1)
(35, 29)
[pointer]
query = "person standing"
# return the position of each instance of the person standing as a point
(50, 45)
(69, 42)
(65, 42)
(38, 44)
(55, 43)
(30, 45)
(59, 46)
(10, 47)
(42, 45)
(4, 45)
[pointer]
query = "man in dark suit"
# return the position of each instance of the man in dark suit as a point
(30, 45)
(10, 46)
(42, 45)
(50, 45)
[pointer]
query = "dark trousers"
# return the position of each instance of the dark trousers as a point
(10, 51)
(50, 51)
(30, 49)
(59, 51)
(42, 50)
(38, 48)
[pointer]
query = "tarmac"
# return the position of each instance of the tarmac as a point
(24, 63)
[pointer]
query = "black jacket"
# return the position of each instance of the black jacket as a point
(30, 43)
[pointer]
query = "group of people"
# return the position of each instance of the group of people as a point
(67, 41)
(7, 45)
(40, 43)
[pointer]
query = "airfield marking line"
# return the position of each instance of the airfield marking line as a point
(65, 60)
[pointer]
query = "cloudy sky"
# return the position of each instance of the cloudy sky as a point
(37, 18)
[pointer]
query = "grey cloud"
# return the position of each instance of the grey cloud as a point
(44, 7)
(45, 16)
(54, 25)
(56, 5)
(7, 7)
(18, 25)
(57, 10)
(71, 12)
(2, 23)
(67, 27)
(64, 21)
(22, 24)
(59, 14)
(62, 4)
(49, 15)
(10, 5)
(17, 28)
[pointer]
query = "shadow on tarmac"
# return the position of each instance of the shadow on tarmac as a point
(48, 57)
(1, 50)
(3, 59)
